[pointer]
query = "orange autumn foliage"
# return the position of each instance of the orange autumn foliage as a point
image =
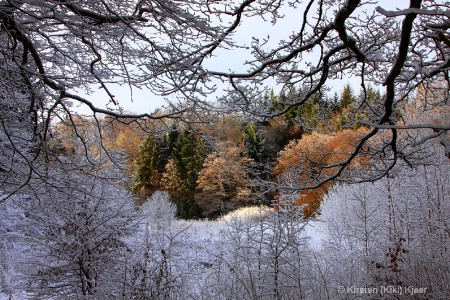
(309, 161)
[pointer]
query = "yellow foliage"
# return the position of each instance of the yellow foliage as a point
(225, 172)
(224, 181)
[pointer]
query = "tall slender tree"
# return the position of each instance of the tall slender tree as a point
(189, 154)
(147, 176)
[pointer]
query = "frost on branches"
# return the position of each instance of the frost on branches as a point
(68, 212)
(56, 53)
(64, 237)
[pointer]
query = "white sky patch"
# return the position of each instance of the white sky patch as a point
(231, 60)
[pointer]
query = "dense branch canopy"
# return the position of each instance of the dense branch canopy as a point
(398, 51)
(57, 52)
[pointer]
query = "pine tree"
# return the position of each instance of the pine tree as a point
(366, 103)
(309, 112)
(254, 141)
(154, 155)
(147, 177)
(347, 97)
(189, 154)
(344, 117)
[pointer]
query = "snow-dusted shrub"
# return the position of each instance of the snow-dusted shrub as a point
(393, 232)
(11, 217)
(265, 258)
(159, 210)
(157, 268)
(70, 236)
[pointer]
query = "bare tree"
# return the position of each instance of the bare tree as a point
(56, 52)
(69, 234)
(391, 231)
(397, 50)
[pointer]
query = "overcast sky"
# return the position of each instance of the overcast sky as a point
(145, 101)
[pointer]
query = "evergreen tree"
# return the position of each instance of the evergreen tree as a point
(189, 154)
(166, 144)
(345, 115)
(254, 141)
(258, 149)
(147, 177)
(334, 103)
(309, 112)
(304, 115)
(347, 97)
(154, 155)
(366, 105)
(282, 101)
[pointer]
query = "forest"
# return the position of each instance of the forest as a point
(318, 167)
(216, 167)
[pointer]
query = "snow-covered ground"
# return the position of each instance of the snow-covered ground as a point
(369, 234)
